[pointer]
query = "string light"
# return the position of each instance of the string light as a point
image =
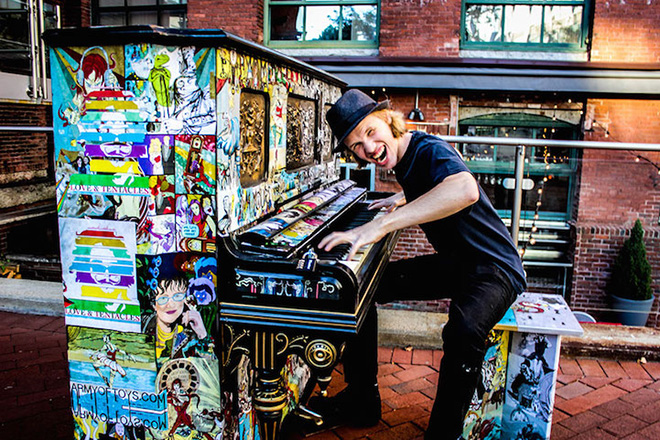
(531, 241)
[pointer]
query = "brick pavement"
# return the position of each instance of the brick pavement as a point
(596, 398)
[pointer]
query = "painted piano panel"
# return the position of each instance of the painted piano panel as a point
(154, 132)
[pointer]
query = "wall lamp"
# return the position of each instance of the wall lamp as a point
(416, 112)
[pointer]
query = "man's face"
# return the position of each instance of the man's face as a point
(372, 141)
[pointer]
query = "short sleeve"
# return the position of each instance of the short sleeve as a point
(443, 161)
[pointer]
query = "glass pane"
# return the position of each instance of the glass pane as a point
(173, 2)
(13, 31)
(109, 3)
(173, 19)
(12, 4)
(322, 23)
(286, 22)
(140, 2)
(146, 17)
(359, 23)
(112, 19)
(562, 24)
(522, 23)
(483, 23)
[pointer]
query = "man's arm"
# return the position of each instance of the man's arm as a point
(450, 196)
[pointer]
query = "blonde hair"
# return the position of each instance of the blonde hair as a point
(397, 124)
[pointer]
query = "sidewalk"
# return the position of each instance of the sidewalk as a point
(596, 398)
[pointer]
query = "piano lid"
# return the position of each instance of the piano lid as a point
(114, 35)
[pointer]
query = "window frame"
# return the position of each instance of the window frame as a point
(335, 44)
(532, 168)
(581, 46)
(159, 8)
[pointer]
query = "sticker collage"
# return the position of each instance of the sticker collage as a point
(158, 150)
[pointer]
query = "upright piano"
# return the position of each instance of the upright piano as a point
(283, 296)
(194, 178)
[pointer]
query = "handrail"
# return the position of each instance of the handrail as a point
(521, 143)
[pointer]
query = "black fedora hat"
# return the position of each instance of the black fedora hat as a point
(348, 112)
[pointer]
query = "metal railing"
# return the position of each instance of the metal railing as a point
(522, 143)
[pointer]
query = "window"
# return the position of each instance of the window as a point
(494, 164)
(525, 24)
(166, 13)
(21, 50)
(322, 23)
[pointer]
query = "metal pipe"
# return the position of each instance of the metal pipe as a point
(33, 49)
(43, 91)
(596, 145)
(25, 128)
(517, 193)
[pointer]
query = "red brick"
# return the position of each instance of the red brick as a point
(590, 400)
(570, 367)
(407, 400)
(568, 378)
(413, 385)
(595, 434)
(591, 367)
(384, 354)
(631, 384)
(402, 356)
(648, 413)
(651, 432)
(584, 421)
(634, 370)
(623, 426)
(398, 416)
(643, 396)
(597, 382)
(352, 433)
(653, 369)
(385, 369)
(414, 372)
(437, 358)
(614, 409)
(388, 381)
(422, 357)
(406, 431)
(558, 432)
(613, 369)
(573, 390)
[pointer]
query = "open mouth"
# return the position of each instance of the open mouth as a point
(382, 156)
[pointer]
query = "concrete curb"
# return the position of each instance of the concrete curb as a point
(396, 327)
(31, 297)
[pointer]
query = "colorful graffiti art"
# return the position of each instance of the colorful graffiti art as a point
(149, 171)
(113, 378)
(98, 261)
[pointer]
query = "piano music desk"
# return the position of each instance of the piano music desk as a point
(515, 398)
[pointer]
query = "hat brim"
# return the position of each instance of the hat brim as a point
(340, 142)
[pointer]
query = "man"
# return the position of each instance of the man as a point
(476, 263)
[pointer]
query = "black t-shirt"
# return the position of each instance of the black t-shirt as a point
(475, 235)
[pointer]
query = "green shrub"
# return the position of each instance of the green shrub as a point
(631, 273)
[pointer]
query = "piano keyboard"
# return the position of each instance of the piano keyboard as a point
(340, 252)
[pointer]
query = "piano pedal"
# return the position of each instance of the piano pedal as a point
(308, 414)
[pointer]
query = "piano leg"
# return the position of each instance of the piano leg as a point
(269, 401)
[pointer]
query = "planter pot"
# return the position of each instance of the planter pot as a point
(631, 312)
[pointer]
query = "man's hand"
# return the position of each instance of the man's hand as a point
(361, 236)
(390, 203)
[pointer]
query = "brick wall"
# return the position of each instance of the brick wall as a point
(239, 17)
(616, 190)
(420, 28)
(597, 247)
(626, 31)
(24, 156)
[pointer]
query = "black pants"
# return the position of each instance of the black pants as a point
(480, 295)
